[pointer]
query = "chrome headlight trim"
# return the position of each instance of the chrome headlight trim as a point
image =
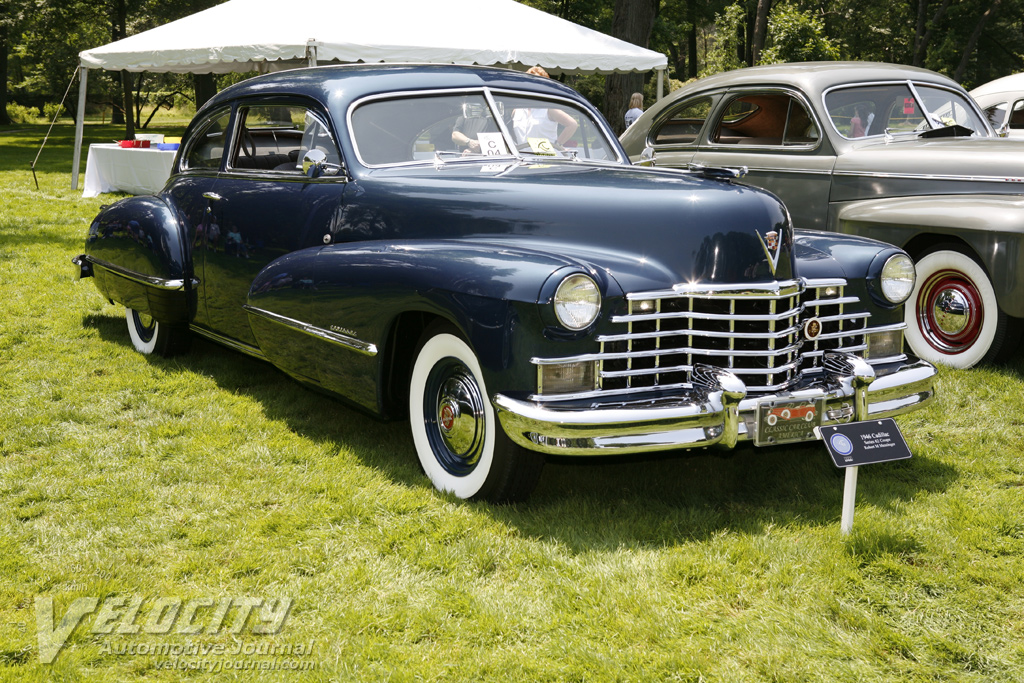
(577, 302)
(897, 278)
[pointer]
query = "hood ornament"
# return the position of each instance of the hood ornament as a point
(771, 241)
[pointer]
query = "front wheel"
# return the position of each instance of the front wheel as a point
(952, 316)
(152, 337)
(459, 443)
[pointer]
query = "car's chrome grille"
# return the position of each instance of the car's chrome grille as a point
(756, 332)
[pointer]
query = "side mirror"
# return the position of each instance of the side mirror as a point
(314, 163)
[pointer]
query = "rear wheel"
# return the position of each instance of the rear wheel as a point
(152, 337)
(458, 440)
(952, 316)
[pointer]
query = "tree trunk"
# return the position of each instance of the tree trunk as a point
(633, 21)
(691, 40)
(972, 43)
(205, 86)
(5, 120)
(129, 107)
(925, 30)
(760, 30)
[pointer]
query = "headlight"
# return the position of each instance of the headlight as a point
(577, 302)
(898, 278)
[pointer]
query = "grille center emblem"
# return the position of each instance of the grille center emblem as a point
(771, 241)
(812, 329)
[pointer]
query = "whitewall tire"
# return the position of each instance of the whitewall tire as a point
(152, 337)
(952, 316)
(458, 440)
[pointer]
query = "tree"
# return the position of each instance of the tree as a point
(633, 21)
(760, 30)
(797, 36)
(972, 42)
(7, 19)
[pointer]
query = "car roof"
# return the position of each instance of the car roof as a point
(818, 76)
(1013, 83)
(342, 84)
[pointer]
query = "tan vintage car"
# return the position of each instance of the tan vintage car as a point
(895, 153)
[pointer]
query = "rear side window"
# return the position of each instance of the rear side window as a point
(766, 119)
(207, 145)
(276, 137)
(685, 123)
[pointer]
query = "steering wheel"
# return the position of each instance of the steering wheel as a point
(248, 143)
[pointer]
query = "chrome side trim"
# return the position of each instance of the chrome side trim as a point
(931, 176)
(342, 340)
(149, 280)
(228, 342)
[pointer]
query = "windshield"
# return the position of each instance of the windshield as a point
(867, 110)
(419, 129)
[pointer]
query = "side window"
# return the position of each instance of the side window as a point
(855, 120)
(683, 126)
(275, 137)
(207, 146)
(996, 114)
(1017, 116)
(769, 119)
(905, 115)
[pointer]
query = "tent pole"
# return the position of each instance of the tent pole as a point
(661, 82)
(83, 73)
(311, 52)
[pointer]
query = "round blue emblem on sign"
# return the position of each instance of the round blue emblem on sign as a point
(841, 444)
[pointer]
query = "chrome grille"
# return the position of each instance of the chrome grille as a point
(757, 332)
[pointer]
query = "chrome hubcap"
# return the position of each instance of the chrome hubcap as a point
(455, 409)
(950, 311)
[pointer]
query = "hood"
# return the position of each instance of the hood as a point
(966, 158)
(648, 228)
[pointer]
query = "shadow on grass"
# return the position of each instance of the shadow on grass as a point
(588, 504)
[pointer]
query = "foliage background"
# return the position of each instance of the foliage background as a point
(973, 41)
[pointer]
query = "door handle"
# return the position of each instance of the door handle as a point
(212, 196)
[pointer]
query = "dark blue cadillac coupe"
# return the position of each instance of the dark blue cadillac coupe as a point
(471, 249)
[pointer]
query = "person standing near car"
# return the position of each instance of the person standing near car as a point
(543, 123)
(636, 108)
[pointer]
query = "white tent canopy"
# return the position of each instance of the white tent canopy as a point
(267, 35)
(246, 35)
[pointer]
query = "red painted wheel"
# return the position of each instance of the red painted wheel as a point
(952, 316)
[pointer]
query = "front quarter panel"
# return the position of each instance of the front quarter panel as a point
(482, 288)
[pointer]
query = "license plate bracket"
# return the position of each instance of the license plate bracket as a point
(787, 420)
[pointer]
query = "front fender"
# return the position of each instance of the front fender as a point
(359, 290)
(991, 225)
(140, 259)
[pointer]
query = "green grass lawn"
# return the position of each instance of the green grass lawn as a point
(214, 477)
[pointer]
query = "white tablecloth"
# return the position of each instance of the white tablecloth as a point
(110, 168)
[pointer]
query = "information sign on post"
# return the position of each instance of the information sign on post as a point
(862, 443)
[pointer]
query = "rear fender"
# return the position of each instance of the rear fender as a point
(991, 225)
(140, 260)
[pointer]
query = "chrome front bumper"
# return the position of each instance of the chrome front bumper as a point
(716, 413)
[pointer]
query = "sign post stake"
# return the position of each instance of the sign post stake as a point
(861, 443)
(849, 498)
